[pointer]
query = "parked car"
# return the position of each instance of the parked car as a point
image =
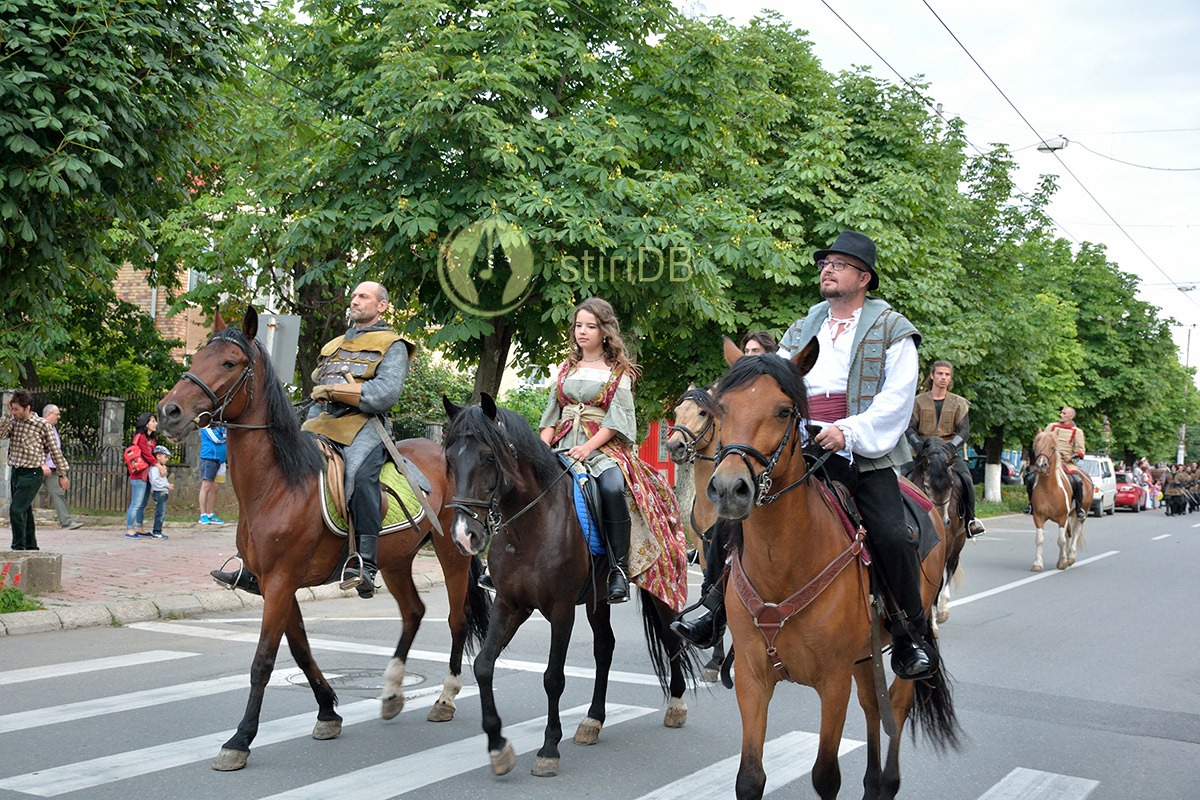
(1130, 494)
(1104, 483)
(1009, 474)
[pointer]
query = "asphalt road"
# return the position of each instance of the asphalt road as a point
(1075, 684)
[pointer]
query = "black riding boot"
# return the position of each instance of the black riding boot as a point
(1077, 492)
(238, 579)
(615, 510)
(364, 580)
(1030, 480)
(706, 630)
(909, 659)
(974, 526)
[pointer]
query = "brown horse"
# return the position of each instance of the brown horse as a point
(799, 568)
(693, 440)
(514, 492)
(933, 472)
(283, 539)
(1052, 501)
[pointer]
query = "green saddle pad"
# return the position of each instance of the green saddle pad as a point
(395, 486)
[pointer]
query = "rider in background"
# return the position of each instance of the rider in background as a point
(756, 343)
(861, 393)
(1069, 441)
(942, 413)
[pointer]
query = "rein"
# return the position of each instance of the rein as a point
(493, 523)
(692, 441)
(245, 380)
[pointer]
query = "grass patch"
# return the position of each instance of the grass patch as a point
(1012, 501)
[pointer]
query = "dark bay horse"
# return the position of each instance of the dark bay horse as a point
(1052, 501)
(283, 539)
(933, 472)
(693, 440)
(799, 566)
(514, 493)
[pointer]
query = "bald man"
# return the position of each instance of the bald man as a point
(1069, 442)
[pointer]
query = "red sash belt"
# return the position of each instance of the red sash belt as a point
(827, 407)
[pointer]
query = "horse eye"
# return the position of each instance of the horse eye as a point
(229, 365)
(784, 413)
(490, 458)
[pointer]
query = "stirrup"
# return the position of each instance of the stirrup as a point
(237, 574)
(354, 580)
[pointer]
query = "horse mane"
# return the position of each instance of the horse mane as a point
(1045, 439)
(701, 396)
(507, 436)
(295, 450)
(936, 453)
(747, 368)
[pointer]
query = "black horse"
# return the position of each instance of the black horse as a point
(514, 492)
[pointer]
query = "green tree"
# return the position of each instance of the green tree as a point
(102, 112)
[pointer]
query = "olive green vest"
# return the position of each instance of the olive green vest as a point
(353, 360)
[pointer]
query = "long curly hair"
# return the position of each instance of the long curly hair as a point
(615, 354)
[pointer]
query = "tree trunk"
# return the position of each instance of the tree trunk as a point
(322, 311)
(493, 358)
(993, 446)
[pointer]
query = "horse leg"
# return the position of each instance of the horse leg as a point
(1075, 542)
(504, 624)
(1038, 539)
(902, 694)
(277, 603)
(754, 696)
(711, 672)
(412, 611)
(603, 644)
(1063, 536)
(864, 681)
(554, 680)
(329, 722)
(834, 692)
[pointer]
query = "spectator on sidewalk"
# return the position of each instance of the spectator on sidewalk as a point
(212, 465)
(31, 441)
(139, 482)
(58, 498)
(160, 489)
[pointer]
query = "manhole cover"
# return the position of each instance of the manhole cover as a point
(368, 679)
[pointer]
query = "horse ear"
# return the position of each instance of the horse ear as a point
(218, 322)
(488, 404)
(731, 351)
(803, 361)
(250, 323)
(452, 409)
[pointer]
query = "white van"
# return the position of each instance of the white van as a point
(1104, 483)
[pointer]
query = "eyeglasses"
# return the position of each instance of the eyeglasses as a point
(836, 266)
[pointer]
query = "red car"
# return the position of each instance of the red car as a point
(1131, 495)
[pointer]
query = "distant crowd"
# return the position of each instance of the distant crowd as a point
(1174, 487)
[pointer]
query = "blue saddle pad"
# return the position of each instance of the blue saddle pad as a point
(591, 532)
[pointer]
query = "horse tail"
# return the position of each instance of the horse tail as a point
(655, 619)
(479, 607)
(933, 708)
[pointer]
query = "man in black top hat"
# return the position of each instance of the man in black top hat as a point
(860, 393)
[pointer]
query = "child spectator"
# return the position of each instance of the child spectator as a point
(160, 489)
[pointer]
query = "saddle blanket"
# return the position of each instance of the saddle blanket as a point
(401, 497)
(583, 493)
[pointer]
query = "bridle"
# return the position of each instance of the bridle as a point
(245, 381)
(763, 482)
(693, 442)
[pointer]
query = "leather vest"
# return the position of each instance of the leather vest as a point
(954, 408)
(348, 360)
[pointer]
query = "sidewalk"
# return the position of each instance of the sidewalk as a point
(110, 580)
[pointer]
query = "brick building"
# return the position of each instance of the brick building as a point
(190, 325)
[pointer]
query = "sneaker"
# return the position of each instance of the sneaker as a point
(205, 519)
(215, 520)
(159, 535)
(134, 535)
(74, 526)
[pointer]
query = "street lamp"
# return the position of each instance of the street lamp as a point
(1051, 145)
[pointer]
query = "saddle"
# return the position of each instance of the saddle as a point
(398, 500)
(587, 506)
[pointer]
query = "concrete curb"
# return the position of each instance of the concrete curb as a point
(177, 606)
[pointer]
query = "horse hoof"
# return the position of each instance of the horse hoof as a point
(327, 729)
(441, 712)
(588, 731)
(709, 675)
(544, 767)
(1036, 568)
(676, 716)
(504, 760)
(391, 706)
(942, 616)
(229, 760)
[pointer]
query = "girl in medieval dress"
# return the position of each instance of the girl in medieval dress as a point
(590, 419)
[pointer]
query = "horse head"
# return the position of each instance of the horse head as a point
(1045, 451)
(933, 472)
(483, 462)
(694, 433)
(219, 387)
(761, 402)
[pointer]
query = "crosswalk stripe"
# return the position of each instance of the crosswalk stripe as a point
(403, 775)
(70, 712)
(785, 758)
(92, 665)
(1030, 784)
(589, 673)
(73, 777)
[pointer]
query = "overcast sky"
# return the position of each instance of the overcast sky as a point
(1119, 79)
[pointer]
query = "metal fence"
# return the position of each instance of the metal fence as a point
(99, 480)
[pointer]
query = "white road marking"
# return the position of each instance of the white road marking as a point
(76, 667)
(1038, 577)
(785, 759)
(54, 781)
(1163, 536)
(412, 772)
(1030, 784)
(69, 712)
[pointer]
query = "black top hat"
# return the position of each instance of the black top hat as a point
(853, 243)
